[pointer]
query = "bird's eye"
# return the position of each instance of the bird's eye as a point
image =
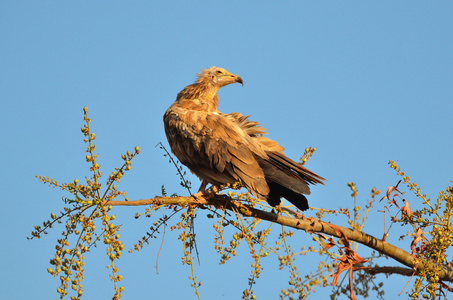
(219, 72)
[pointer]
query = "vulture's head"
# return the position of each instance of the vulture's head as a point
(218, 77)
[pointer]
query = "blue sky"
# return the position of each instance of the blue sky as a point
(364, 82)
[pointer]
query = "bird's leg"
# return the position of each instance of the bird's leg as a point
(201, 190)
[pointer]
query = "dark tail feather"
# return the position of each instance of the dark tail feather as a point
(287, 179)
(283, 185)
(277, 191)
(292, 168)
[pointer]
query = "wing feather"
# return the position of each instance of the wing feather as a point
(217, 149)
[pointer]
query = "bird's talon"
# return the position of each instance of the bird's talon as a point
(199, 195)
(214, 189)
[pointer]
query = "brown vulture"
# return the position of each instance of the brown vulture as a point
(228, 148)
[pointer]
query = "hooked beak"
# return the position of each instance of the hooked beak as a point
(239, 79)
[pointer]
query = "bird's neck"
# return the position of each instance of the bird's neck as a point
(210, 96)
(198, 96)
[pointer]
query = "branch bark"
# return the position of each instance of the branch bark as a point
(312, 225)
(390, 271)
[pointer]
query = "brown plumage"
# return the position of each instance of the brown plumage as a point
(227, 148)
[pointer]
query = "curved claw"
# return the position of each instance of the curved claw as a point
(198, 194)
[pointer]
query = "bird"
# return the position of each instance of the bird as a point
(222, 148)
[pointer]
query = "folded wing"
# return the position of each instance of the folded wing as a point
(285, 177)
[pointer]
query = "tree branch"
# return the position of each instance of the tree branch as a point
(390, 270)
(307, 224)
